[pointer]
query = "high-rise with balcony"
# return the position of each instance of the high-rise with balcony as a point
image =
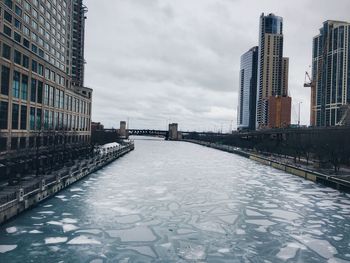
(273, 103)
(331, 72)
(42, 97)
(246, 114)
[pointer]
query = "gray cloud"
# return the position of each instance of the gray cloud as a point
(158, 60)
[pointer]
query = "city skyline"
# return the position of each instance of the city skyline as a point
(164, 56)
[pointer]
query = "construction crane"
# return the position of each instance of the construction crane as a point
(309, 83)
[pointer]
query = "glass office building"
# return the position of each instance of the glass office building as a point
(248, 89)
(331, 72)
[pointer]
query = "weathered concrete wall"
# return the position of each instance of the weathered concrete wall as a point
(25, 201)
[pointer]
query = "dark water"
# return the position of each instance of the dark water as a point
(178, 202)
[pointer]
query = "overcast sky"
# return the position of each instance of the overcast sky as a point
(155, 61)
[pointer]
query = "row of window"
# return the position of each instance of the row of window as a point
(32, 89)
(39, 119)
(44, 40)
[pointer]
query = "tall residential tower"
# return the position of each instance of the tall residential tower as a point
(247, 92)
(273, 103)
(331, 72)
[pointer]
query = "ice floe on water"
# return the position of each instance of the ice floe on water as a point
(11, 230)
(289, 251)
(76, 190)
(193, 252)
(69, 221)
(55, 240)
(90, 231)
(137, 234)
(224, 250)
(7, 248)
(35, 232)
(83, 240)
(46, 212)
(69, 227)
(320, 246)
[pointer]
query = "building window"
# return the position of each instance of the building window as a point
(6, 51)
(25, 61)
(40, 92)
(33, 90)
(32, 118)
(5, 80)
(9, 3)
(23, 117)
(26, 43)
(40, 70)
(15, 116)
(38, 119)
(34, 66)
(24, 88)
(7, 31)
(22, 142)
(8, 17)
(4, 106)
(46, 119)
(15, 84)
(18, 11)
(17, 37)
(17, 57)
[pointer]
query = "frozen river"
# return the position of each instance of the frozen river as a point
(179, 202)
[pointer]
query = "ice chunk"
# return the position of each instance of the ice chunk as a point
(7, 248)
(55, 240)
(193, 253)
(35, 232)
(83, 240)
(69, 227)
(137, 234)
(11, 230)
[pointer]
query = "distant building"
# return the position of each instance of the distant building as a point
(272, 71)
(97, 126)
(247, 90)
(331, 72)
(42, 97)
(173, 132)
(279, 111)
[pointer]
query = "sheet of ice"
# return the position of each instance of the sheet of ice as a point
(60, 196)
(47, 206)
(69, 221)
(69, 227)
(228, 219)
(83, 240)
(55, 223)
(144, 250)
(289, 251)
(260, 222)
(55, 240)
(90, 231)
(35, 232)
(166, 245)
(193, 253)
(76, 190)
(7, 248)
(321, 247)
(128, 219)
(253, 213)
(224, 250)
(288, 215)
(137, 234)
(46, 212)
(11, 230)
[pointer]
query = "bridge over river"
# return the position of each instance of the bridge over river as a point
(171, 201)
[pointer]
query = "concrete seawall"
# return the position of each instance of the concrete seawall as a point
(22, 198)
(314, 176)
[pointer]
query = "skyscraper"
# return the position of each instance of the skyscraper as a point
(272, 74)
(331, 72)
(42, 97)
(248, 88)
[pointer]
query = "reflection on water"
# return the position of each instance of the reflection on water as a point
(178, 202)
